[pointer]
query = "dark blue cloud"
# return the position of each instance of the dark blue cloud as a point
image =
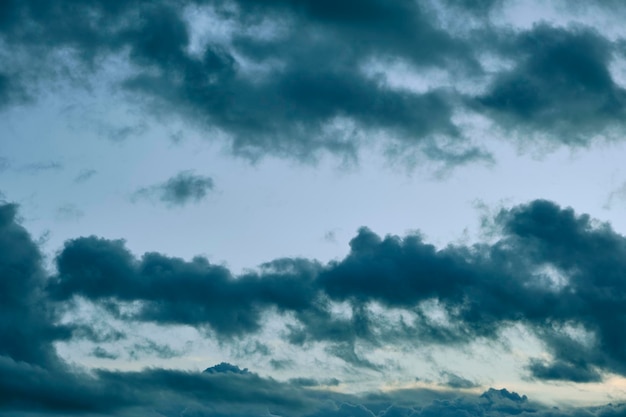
(26, 321)
(577, 312)
(36, 380)
(314, 95)
(225, 367)
(561, 85)
(315, 76)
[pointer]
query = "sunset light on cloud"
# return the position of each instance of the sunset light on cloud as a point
(382, 208)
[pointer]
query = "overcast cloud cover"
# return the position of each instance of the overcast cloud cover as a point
(245, 208)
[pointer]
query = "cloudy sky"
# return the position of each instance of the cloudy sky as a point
(316, 208)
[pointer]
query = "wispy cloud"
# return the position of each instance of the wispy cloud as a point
(85, 175)
(182, 189)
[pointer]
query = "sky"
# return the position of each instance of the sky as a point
(311, 208)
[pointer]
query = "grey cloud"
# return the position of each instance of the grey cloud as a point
(475, 6)
(561, 370)
(101, 353)
(221, 393)
(453, 380)
(312, 95)
(30, 388)
(225, 367)
(557, 273)
(36, 381)
(311, 382)
(96, 332)
(314, 98)
(184, 188)
(347, 352)
(4, 89)
(11, 92)
(561, 86)
(167, 392)
(281, 364)
(149, 348)
(100, 269)
(26, 319)
(34, 378)
(485, 286)
(318, 81)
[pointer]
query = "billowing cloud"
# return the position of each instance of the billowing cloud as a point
(556, 272)
(453, 380)
(225, 367)
(561, 85)
(294, 78)
(588, 253)
(25, 316)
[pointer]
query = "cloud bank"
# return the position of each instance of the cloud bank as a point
(557, 272)
(300, 78)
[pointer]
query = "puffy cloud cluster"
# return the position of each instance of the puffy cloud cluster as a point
(293, 78)
(559, 274)
(482, 289)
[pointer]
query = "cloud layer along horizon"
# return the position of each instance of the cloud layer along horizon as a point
(558, 273)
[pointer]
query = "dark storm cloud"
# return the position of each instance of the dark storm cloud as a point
(484, 288)
(559, 370)
(33, 376)
(561, 85)
(226, 367)
(26, 321)
(313, 78)
(183, 188)
(97, 332)
(177, 291)
(311, 382)
(559, 274)
(166, 392)
(9, 91)
(35, 380)
(302, 89)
